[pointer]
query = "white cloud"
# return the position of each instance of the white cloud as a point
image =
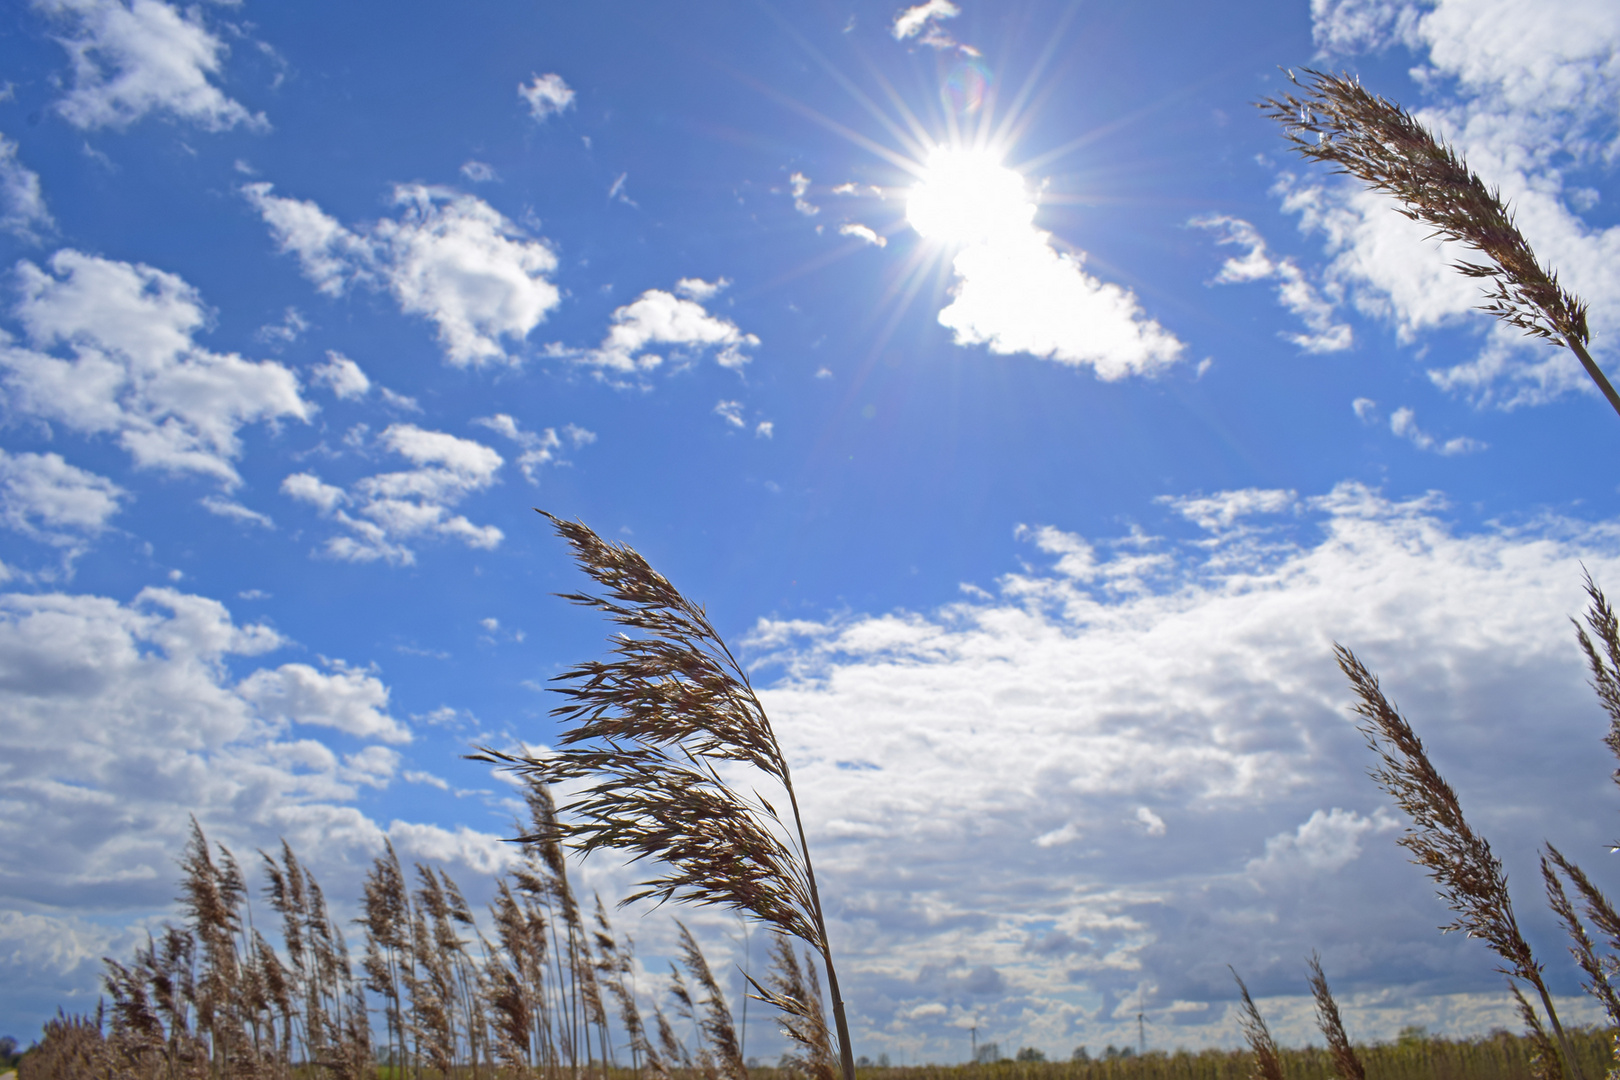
(1366, 409)
(448, 257)
(1153, 823)
(800, 184)
(1403, 422)
(331, 256)
(926, 16)
(392, 508)
(1220, 512)
(132, 59)
(346, 698)
(730, 412)
(22, 203)
(1026, 730)
(123, 721)
(478, 172)
(1526, 92)
(1348, 26)
(659, 318)
(702, 291)
(1014, 292)
(46, 499)
(343, 376)
(134, 370)
(1326, 842)
(862, 232)
(1294, 289)
(290, 329)
(547, 96)
(539, 448)
(235, 511)
(765, 429)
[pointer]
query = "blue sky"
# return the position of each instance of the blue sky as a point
(1027, 416)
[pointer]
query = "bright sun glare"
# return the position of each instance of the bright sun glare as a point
(967, 196)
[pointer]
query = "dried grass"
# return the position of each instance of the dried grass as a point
(1339, 123)
(1346, 1064)
(644, 738)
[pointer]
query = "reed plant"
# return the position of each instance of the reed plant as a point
(645, 738)
(1337, 122)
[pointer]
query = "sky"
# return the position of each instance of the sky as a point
(1026, 416)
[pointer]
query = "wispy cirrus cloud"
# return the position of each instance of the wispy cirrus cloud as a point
(382, 512)
(546, 95)
(1295, 291)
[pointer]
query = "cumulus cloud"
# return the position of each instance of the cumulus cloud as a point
(343, 376)
(547, 96)
(22, 203)
(1294, 289)
(924, 19)
(539, 448)
(1119, 768)
(658, 318)
(133, 59)
(1327, 841)
(46, 499)
(451, 258)
(478, 172)
(731, 412)
(346, 698)
(1525, 96)
(1014, 291)
(133, 369)
(391, 508)
(123, 721)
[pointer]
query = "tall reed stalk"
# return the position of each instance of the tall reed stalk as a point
(1459, 860)
(645, 736)
(1339, 123)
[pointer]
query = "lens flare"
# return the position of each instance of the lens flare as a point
(967, 86)
(967, 196)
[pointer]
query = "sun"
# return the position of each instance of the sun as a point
(966, 196)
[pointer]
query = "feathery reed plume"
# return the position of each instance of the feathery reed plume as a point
(648, 732)
(1544, 1063)
(1581, 947)
(617, 965)
(674, 1049)
(1385, 147)
(798, 1005)
(1605, 664)
(715, 1022)
(1267, 1058)
(1345, 1062)
(1601, 972)
(387, 921)
(1470, 878)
